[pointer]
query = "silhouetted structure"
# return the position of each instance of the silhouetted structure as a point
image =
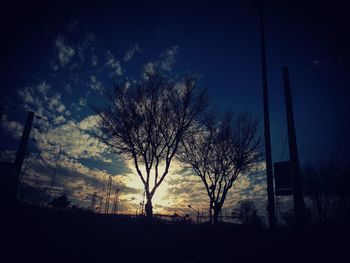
(327, 185)
(268, 157)
(101, 200)
(10, 173)
(116, 202)
(283, 178)
(108, 194)
(23, 145)
(93, 201)
(198, 213)
(60, 202)
(247, 213)
(299, 207)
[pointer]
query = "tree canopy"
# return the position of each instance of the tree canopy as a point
(219, 151)
(147, 119)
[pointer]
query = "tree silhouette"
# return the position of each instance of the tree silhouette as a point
(328, 186)
(145, 122)
(247, 214)
(219, 151)
(60, 202)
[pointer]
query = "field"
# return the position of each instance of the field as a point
(48, 235)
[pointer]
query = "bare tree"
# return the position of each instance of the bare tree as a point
(219, 152)
(147, 120)
(247, 213)
(327, 184)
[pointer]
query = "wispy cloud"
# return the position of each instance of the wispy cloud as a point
(82, 102)
(64, 51)
(168, 58)
(85, 47)
(131, 52)
(113, 64)
(165, 62)
(96, 85)
(149, 69)
(43, 100)
(94, 60)
(12, 128)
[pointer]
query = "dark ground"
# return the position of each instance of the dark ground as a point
(46, 235)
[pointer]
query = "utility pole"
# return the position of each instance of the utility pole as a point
(21, 151)
(108, 196)
(299, 207)
(268, 157)
(101, 200)
(93, 202)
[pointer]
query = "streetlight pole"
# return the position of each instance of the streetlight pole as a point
(268, 155)
(299, 206)
(20, 155)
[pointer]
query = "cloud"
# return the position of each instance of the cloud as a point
(29, 95)
(88, 123)
(70, 53)
(131, 52)
(113, 64)
(82, 101)
(85, 48)
(149, 69)
(72, 176)
(168, 58)
(186, 190)
(12, 128)
(41, 99)
(57, 129)
(79, 182)
(165, 62)
(56, 104)
(94, 60)
(75, 142)
(7, 156)
(64, 51)
(81, 178)
(95, 85)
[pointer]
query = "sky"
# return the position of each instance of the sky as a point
(58, 57)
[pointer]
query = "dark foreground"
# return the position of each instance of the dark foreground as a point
(46, 235)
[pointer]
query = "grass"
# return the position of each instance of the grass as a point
(49, 235)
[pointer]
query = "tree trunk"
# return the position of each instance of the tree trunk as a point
(149, 207)
(216, 215)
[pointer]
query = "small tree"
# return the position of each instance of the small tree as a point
(60, 202)
(328, 186)
(219, 151)
(247, 214)
(146, 122)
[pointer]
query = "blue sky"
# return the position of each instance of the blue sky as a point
(57, 58)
